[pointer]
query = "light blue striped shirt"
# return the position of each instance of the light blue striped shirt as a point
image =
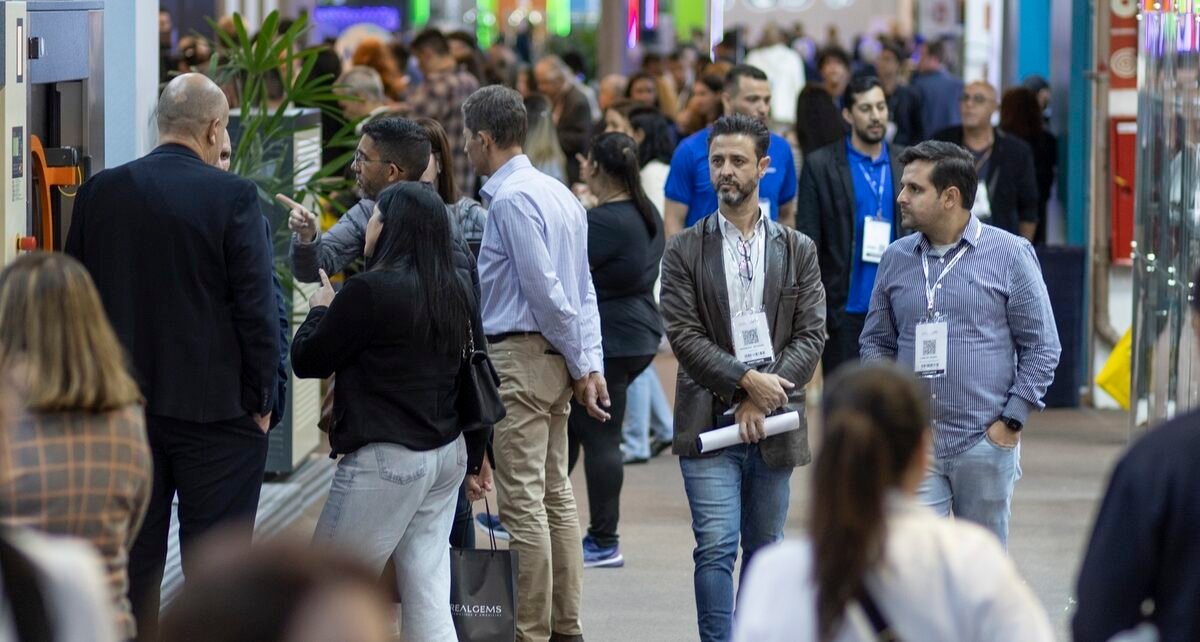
(1003, 345)
(533, 265)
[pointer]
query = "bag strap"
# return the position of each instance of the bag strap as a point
(491, 532)
(883, 629)
(21, 587)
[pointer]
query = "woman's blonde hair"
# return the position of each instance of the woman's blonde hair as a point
(56, 339)
(541, 137)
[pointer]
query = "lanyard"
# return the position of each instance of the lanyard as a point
(876, 189)
(931, 290)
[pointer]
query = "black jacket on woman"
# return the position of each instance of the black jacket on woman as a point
(392, 385)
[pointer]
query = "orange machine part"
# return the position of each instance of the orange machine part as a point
(48, 177)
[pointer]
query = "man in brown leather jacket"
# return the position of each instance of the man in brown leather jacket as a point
(745, 313)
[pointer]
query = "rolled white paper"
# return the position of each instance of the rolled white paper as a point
(728, 436)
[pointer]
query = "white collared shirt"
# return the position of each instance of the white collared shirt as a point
(940, 579)
(744, 296)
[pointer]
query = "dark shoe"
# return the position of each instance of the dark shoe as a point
(629, 459)
(595, 556)
(559, 637)
(658, 446)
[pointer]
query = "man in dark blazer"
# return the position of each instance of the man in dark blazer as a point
(745, 313)
(1003, 163)
(846, 205)
(182, 260)
(571, 111)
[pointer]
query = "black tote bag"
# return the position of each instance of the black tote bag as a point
(478, 405)
(483, 593)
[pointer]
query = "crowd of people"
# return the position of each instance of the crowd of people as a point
(758, 222)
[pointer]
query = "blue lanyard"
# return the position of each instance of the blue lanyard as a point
(876, 189)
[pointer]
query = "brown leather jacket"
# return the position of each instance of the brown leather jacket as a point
(695, 305)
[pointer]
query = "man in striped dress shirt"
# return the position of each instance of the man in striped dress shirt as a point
(543, 331)
(964, 305)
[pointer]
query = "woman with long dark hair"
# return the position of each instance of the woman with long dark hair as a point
(467, 213)
(649, 423)
(625, 247)
(876, 562)
(396, 336)
(703, 106)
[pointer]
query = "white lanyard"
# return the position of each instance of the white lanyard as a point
(876, 189)
(931, 290)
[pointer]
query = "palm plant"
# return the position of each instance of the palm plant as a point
(251, 67)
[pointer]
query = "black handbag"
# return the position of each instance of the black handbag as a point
(483, 593)
(479, 404)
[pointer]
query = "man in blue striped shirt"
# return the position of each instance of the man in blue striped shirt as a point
(964, 305)
(543, 331)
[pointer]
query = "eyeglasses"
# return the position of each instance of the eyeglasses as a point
(978, 99)
(360, 158)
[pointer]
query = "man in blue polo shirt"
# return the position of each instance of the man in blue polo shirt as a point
(846, 205)
(690, 194)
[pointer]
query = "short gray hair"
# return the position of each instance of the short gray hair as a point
(498, 110)
(363, 82)
(189, 103)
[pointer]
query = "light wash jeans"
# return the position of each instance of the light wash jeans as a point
(976, 484)
(733, 496)
(389, 501)
(646, 412)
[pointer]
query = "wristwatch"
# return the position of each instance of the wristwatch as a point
(1012, 424)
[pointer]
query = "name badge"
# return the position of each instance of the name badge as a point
(877, 235)
(752, 339)
(930, 353)
(764, 208)
(982, 209)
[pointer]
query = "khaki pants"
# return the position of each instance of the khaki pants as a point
(537, 506)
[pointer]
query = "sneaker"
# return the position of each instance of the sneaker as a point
(596, 557)
(490, 522)
(633, 459)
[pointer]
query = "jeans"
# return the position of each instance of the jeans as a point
(976, 485)
(732, 495)
(647, 412)
(217, 470)
(462, 534)
(389, 501)
(603, 463)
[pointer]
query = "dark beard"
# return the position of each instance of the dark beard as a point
(865, 135)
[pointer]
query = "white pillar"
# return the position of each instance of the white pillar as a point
(130, 79)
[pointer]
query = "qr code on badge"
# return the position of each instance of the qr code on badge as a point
(750, 336)
(929, 346)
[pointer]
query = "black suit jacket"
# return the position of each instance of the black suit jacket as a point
(904, 109)
(1011, 181)
(825, 211)
(182, 260)
(695, 305)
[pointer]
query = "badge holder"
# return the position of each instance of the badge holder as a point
(932, 342)
(752, 339)
(877, 235)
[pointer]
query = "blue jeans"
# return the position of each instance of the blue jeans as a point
(646, 412)
(389, 501)
(976, 484)
(732, 495)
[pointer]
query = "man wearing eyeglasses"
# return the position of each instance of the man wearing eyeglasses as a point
(1007, 196)
(390, 150)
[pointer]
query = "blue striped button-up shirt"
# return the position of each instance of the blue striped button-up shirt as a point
(533, 265)
(1003, 345)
